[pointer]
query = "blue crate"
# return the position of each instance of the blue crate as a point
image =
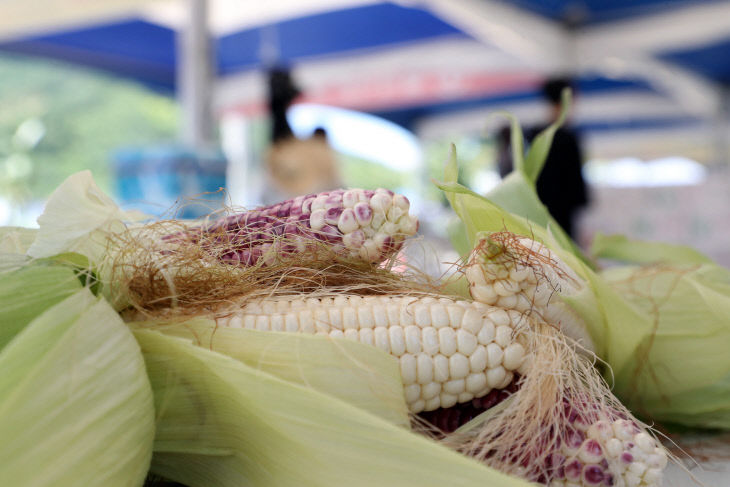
(170, 180)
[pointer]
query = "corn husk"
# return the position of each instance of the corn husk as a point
(28, 291)
(75, 403)
(224, 423)
(361, 375)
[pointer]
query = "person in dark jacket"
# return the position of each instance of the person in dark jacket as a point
(561, 186)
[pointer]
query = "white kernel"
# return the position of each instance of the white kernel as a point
(316, 219)
(432, 404)
(397, 340)
(645, 442)
(321, 320)
(392, 310)
(495, 355)
(447, 341)
(456, 386)
(466, 342)
(405, 317)
(476, 382)
(496, 376)
(365, 316)
(448, 400)
(389, 228)
(335, 317)
(637, 468)
(350, 198)
(499, 317)
(277, 322)
(465, 397)
(236, 321)
(519, 273)
(381, 202)
(381, 338)
(483, 294)
(507, 302)
(475, 275)
(335, 333)
(352, 334)
(631, 479)
(249, 322)
(291, 322)
(456, 313)
(508, 377)
(439, 316)
(349, 318)
(478, 359)
(513, 356)
(269, 307)
(412, 392)
(424, 366)
(430, 340)
(614, 447)
(524, 369)
(408, 369)
(422, 315)
(473, 320)
(503, 336)
(587, 456)
(380, 316)
(485, 335)
(430, 390)
(652, 476)
(394, 213)
(401, 202)
(657, 460)
(366, 336)
(440, 368)
(347, 222)
(417, 407)
(263, 323)
(306, 321)
(458, 366)
(378, 220)
(623, 429)
(369, 251)
(413, 338)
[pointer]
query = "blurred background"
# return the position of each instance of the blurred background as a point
(164, 100)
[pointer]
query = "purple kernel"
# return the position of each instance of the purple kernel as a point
(573, 438)
(608, 480)
(334, 199)
(330, 233)
(627, 457)
(593, 447)
(363, 213)
(573, 470)
(332, 215)
(284, 210)
(593, 474)
(307, 205)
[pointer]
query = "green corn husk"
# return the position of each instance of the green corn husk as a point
(224, 423)
(361, 375)
(75, 402)
(30, 290)
(666, 363)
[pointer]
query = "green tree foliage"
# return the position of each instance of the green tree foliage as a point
(57, 119)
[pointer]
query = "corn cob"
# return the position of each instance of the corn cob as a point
(355, 223)
(450, 351)
(523, 275)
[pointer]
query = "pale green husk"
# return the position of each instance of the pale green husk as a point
(224, 423)
(75, 402)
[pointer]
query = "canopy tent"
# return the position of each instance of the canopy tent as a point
(417, 62)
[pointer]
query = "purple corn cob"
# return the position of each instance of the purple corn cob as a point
(354, 223)
(607, 452)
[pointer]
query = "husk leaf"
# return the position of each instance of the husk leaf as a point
(621, 248)
(223, 423)
(75, 403)
(361, 375)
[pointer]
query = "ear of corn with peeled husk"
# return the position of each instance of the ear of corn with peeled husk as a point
(618, 308)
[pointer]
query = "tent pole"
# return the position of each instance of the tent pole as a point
(194, 77)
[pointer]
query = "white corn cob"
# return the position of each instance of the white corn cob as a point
(355, 223)
(524, 275)
(450, 351)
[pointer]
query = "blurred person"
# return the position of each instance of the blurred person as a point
(560, 186)
(295, 166)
